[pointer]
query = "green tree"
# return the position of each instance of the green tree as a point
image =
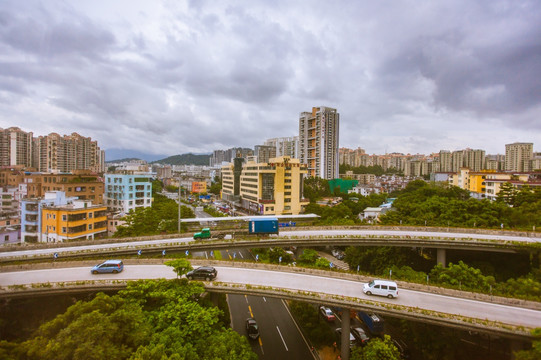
(308, 257)
(150, 319)
(535, 352)
(180, 266)
(316, 188)
(507, 193)
(105, 327)
(377, 349)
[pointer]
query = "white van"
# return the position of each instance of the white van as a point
(382, 288)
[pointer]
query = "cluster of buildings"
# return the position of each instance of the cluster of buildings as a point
(269, 180)
(55, 188)
(518, 157)
(50, 153)
(468, 169)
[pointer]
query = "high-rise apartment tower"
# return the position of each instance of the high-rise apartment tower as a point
(518, 156)
(318, 141)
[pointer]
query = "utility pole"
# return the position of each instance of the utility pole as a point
(179, 204)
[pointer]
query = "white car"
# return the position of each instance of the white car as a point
(382, 288)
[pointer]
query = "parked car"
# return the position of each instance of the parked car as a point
(402, 348)
(360, 335)
(109, 266)
(352, 341)
(202, 273)
(251, 328)
(339, 254)
(382, 288)
(327, 313)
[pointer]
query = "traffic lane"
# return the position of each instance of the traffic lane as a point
(240, 311)
(345, 232)
(60, 250)
(280, 335)
(410, 298)
(303, 282)
(130, 272)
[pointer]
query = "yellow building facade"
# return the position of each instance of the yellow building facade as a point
(273, 188)
(485, 184)
(77, 221)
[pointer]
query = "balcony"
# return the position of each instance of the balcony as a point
(261, 201)
(76, 217)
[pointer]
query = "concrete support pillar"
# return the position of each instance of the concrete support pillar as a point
(346, 322)
(441, 257)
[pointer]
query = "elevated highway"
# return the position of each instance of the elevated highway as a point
(299, 284)
(300, 237)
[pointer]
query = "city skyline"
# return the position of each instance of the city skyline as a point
(173, 78)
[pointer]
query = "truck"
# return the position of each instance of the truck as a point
(372, 321)
(263, 226)
(206, 234)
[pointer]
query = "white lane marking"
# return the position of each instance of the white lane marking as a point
(277, 328)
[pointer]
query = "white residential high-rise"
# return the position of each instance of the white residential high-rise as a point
(518, 156)
(318, 141)
(285, 146)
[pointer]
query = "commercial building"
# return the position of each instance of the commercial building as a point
(78, 220)
(126, 192)
(318, 141)
(272, 188)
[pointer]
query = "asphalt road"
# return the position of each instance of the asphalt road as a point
(444, 304)
(279, 336)
(283, 233)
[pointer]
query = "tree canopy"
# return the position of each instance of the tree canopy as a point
(430, 204)
(150, 319)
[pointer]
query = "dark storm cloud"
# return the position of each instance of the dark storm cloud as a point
(178, 76)
(496, 75)
(44, 36)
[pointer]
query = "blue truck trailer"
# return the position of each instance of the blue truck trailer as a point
(263, 226)
(372, 321)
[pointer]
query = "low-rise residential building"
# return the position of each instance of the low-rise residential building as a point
(31, 210)
(487, 184)
(126, 192)
(372, 214)
(78, 220)
(81, 183)
(10, 235)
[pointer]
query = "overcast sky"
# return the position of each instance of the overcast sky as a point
(171, 77)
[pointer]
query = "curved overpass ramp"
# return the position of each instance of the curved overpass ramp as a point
(416, 305)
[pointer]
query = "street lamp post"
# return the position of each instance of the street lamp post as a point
(179, 204)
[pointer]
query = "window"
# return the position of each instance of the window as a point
(89, 226)
(90, 215)
(63, 230)
(6, 238)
